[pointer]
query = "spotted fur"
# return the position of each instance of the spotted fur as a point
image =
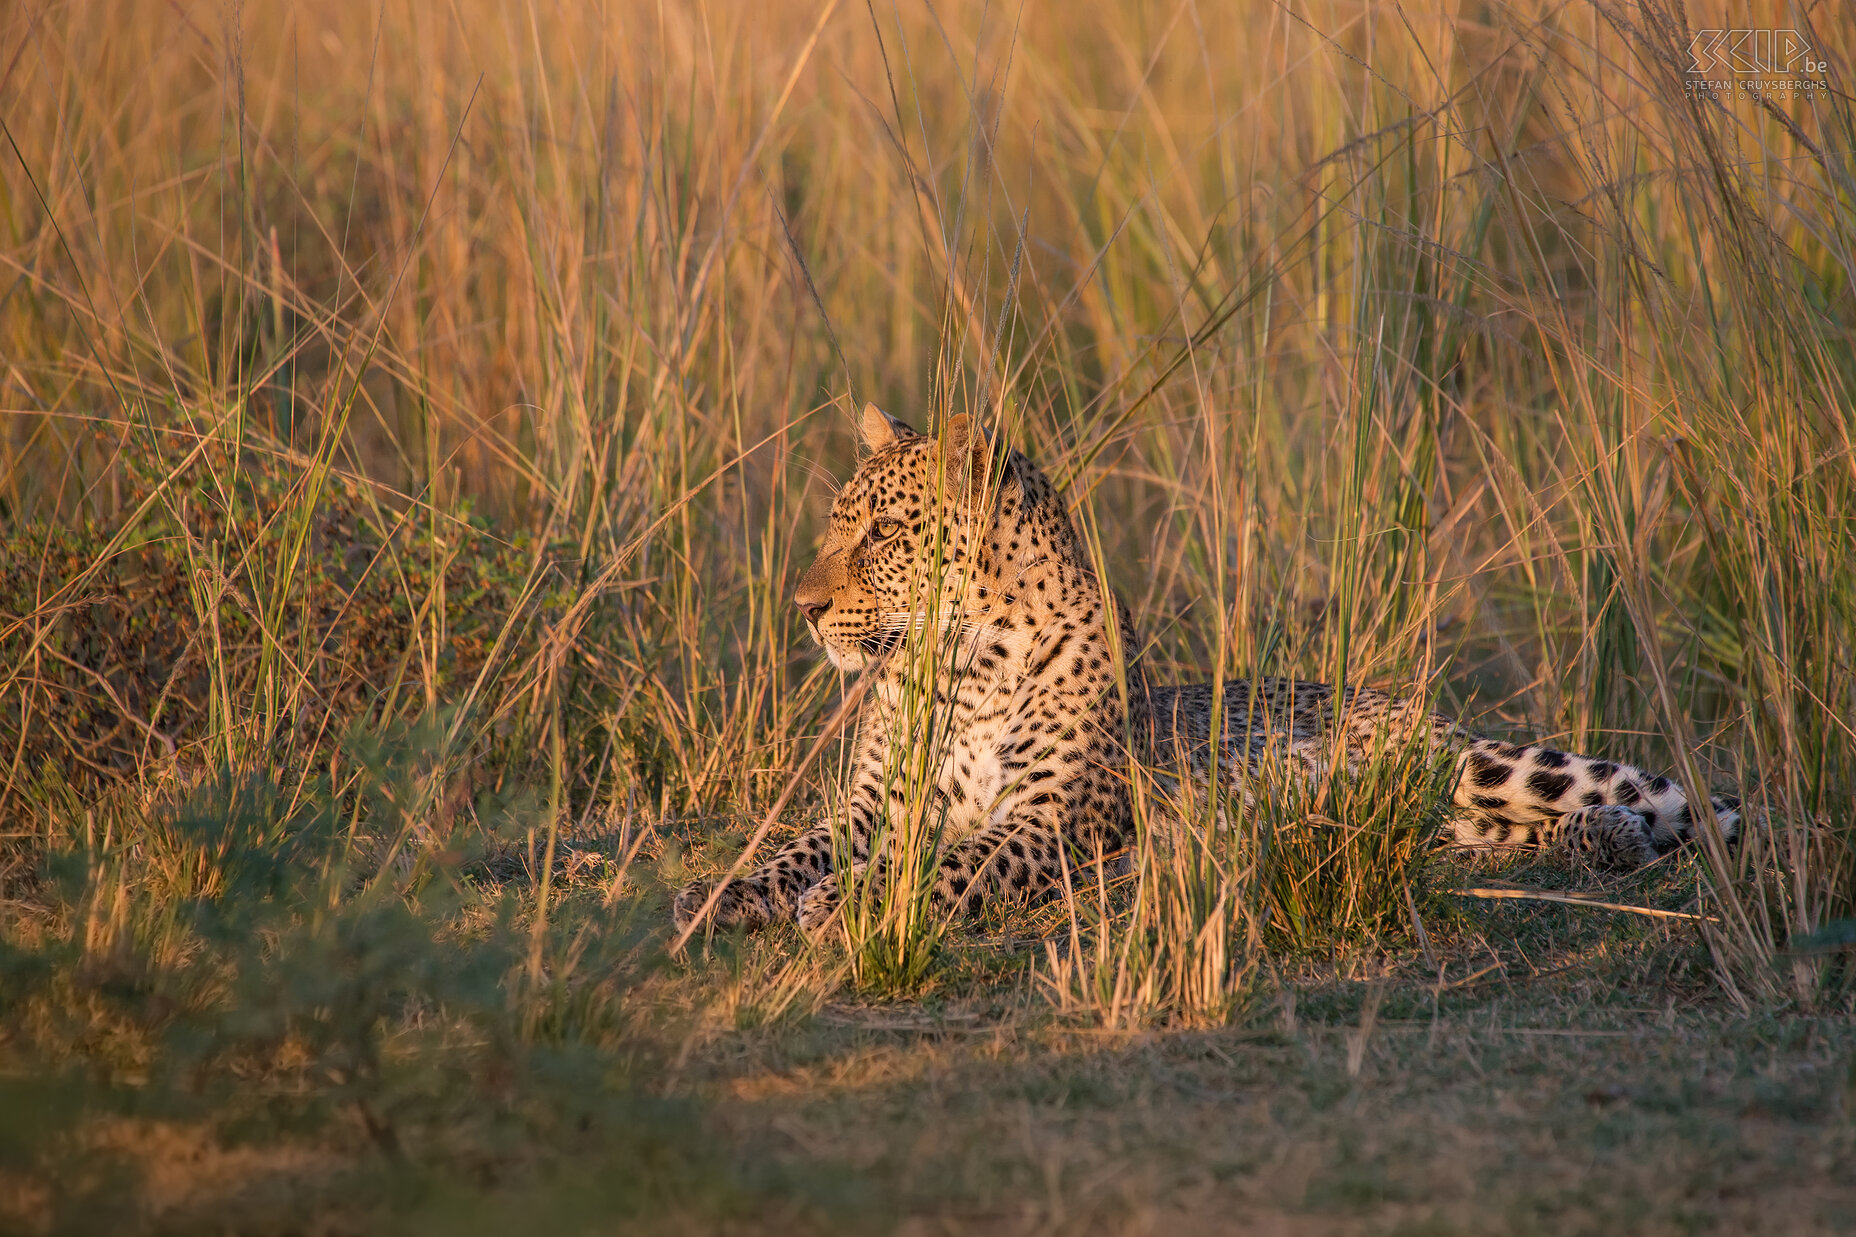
(1033, 718)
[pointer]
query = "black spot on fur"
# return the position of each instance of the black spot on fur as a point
(1549, 786)
(1547, 758)
(1486, 772)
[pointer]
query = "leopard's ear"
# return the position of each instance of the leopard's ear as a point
(878, 429)
(965, 452)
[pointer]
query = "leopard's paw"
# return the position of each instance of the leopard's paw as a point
(739, 904)
(818, 904)
(1605, 835)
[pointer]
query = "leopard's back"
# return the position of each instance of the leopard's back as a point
(1256, 715)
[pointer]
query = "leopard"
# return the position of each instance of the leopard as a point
(1037, 700)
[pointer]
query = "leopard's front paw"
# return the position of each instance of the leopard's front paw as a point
(739, 904)
(818, 904)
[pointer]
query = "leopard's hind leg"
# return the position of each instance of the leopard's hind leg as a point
(1612, 814)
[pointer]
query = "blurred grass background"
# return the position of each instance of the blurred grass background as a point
(465, 383)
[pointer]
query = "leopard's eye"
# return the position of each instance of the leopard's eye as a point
(885, 528)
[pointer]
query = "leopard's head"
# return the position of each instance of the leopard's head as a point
(915, 534)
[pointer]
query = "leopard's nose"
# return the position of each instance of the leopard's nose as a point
(812, 609)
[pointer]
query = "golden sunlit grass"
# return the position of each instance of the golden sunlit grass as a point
(413, 419)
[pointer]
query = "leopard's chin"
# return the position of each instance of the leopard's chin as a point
(844, 659)
(844, 654)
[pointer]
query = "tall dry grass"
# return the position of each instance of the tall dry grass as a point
(1448, 344)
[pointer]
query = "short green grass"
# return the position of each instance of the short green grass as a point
(413, 419)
